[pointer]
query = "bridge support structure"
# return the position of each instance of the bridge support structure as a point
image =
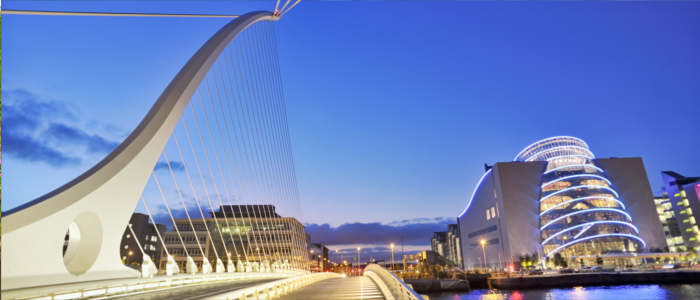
(93, 210)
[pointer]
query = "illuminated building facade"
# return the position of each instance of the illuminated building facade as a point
(674, 238)
(557, 198)
(679, 211)
(252, 233)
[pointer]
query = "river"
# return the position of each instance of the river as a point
(621, 292)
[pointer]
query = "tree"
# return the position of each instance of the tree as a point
(599, 260)
(559, 261)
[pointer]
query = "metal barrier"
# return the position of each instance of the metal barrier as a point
(391, 286)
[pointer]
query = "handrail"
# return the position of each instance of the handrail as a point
(398, 289)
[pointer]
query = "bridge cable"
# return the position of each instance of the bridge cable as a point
(290, 173)
(296, 236)
(273, 162)
(259, 141)
(245, 146)
(289, 157)
(196, 198)
(162, 195)
(216, 189)
(155, 226)
(184, 206)
(290, 8)
(225, 179)
(143, 253)
(247, 216)
(109, 14)
(252, 220)
(204, 185)
(224, 184)
(255, 131)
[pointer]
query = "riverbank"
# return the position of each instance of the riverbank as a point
(424, 286)
(593, 279)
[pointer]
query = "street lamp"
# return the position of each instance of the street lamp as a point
(483, 250)
(358, 257)
(392, 256)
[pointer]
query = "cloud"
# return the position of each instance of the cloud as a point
(30, 136)
(175, 165)
(62, 134)
(29, 103)
(29, 149)
(418, 233)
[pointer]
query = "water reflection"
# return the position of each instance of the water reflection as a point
(623, 292)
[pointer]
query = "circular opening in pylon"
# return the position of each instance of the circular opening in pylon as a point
(82, 243)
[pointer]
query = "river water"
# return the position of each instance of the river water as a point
(620, 292)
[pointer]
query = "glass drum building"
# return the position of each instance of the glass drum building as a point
(580, 212)
(557, 199)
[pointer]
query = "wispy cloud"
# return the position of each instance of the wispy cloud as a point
(62, 134)
(41, 130)
(411, 233)
(175, 165)
(27, 148)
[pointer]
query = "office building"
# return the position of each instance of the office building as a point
(251, 235)
(677, 209)
(131, 251)
(318, 257)
(674, 238)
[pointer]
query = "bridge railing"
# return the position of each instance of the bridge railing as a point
(391, 286)
(142, 285)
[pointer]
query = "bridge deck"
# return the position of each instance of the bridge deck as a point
(348, 288)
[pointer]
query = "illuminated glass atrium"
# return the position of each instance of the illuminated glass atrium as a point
(580, 211)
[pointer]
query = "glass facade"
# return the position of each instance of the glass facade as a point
(580, 211)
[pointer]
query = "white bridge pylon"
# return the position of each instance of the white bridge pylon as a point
(96, 206)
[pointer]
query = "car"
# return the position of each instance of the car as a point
(535, 272)
(567, 270)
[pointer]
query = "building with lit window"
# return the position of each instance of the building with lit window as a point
(446, 244)
(556, 198)
(254, 235)
(131, 250)
(453, 244)
(677, 210)
(674, 238)
(318, 257)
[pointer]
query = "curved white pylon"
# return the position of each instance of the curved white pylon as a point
(97, 205)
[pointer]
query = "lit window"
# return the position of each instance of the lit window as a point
(128, 235)
(493, 211)
(126, 246)
(488, 214)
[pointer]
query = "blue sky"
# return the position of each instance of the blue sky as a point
(393, 106)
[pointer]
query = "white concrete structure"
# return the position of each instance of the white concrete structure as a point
(96, 206)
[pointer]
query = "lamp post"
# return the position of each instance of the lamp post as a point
(483, 250)
(392, 257)
(359, 264)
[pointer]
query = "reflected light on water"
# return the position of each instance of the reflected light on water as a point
(623, 292)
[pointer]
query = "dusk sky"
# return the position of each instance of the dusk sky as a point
(393, 106)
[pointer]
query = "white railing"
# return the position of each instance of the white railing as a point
(391, 286)
(275, 289)
(141, 285)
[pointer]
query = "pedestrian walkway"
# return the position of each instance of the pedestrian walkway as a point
(347, 288)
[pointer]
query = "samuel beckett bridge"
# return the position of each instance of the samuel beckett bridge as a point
(207, 175)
